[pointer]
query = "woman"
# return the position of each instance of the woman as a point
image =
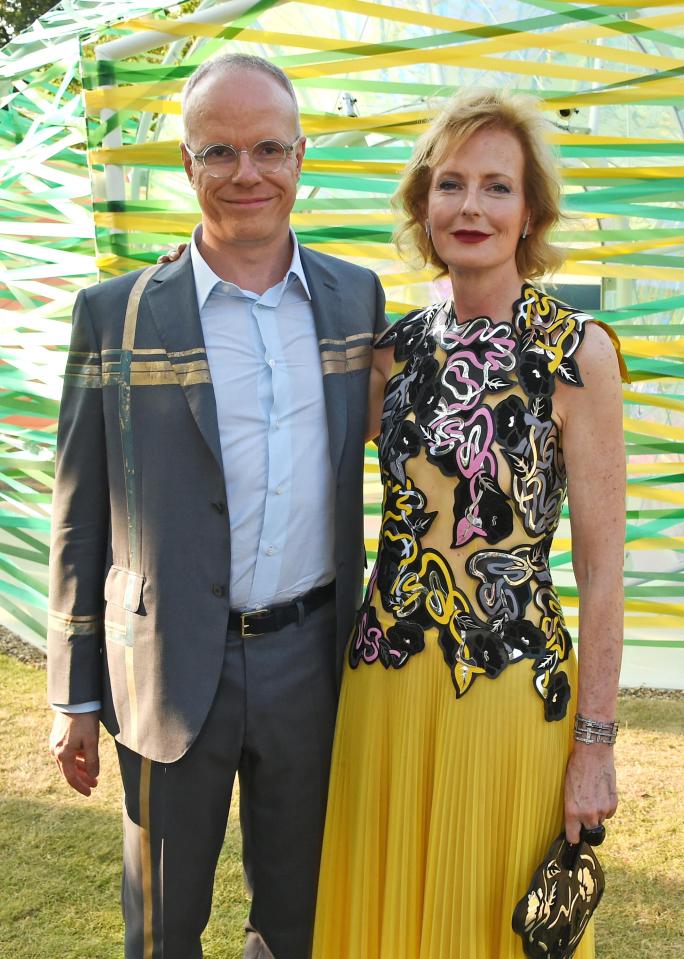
(455, 764)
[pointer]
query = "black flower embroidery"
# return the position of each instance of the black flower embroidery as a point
(510, 424)
(523, 636)
(534, 374)
(411, 335)
(397, 444)
(403, 640)
(486, 650)
(557, 697)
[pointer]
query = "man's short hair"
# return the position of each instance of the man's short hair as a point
(245, 61)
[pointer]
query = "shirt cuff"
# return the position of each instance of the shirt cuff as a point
(90, 707)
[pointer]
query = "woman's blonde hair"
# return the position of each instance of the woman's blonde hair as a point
(466, 114)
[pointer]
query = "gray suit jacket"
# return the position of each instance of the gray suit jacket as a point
(140, 557)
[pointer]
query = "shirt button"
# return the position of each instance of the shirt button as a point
(277, 424)
(279, 491)
(270, 550)
(218, 590)
(219, 507)
(272, 363)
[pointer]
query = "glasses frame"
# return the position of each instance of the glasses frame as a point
(287, 147)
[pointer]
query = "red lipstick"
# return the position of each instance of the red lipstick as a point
(470, 236)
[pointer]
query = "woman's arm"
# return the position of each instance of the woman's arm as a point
(593, 447)
(379, 374)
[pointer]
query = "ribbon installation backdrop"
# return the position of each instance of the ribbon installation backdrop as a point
(91, 186)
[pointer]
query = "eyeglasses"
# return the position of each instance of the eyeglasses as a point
(221, 159)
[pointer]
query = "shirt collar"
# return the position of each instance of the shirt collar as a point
(206, 279)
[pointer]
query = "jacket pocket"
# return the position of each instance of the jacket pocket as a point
(123, 587)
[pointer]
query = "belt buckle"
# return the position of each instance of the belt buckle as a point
(245, 627)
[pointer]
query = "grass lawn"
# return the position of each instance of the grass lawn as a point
(61, 852)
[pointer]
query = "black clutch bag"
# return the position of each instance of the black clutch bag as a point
(565, 890)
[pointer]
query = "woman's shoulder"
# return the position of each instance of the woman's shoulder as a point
(548, 325)
(411, 331)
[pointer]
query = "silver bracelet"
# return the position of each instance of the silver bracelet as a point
(593, 731)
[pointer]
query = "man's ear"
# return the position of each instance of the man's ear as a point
(300, 150)
(187, 163)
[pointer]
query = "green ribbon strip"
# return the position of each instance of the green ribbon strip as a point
(45, 184)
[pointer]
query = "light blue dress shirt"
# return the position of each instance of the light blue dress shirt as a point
(265, 368)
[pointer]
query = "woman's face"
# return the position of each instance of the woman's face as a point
(476, 203)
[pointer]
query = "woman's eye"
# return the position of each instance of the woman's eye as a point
(447, 185)
(500, 188)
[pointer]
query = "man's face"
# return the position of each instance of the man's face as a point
(241, 107)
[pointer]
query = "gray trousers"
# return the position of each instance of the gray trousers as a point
(272, 724)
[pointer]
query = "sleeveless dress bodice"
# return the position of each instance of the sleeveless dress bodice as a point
(474, 482)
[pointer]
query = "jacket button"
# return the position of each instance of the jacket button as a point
(219, 507)
(218, 590)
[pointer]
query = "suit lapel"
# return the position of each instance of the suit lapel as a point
(329, 321)
(172, 302)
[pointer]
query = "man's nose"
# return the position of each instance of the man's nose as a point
(245, 170)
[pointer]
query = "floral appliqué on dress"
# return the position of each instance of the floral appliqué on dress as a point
(474, 400)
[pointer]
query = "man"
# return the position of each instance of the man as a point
(210, 462)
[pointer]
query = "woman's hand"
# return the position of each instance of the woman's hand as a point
(172, 255)
(590, 789)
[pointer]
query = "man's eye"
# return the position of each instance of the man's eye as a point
(268, 148)
(219, 152)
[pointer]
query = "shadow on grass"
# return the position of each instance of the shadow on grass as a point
(61, 875)
(61, 880)
(640, 917)
(652, 715)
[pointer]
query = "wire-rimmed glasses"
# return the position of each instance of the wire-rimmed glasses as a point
(221, 159)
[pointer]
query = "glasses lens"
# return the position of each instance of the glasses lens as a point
(268, 155)
(220, 159)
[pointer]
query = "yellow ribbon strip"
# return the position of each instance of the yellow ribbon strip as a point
(623, 173)
(459, 57)
(653, 399)
(636, 346)
(662, 495)
(620, 248)
(654, 469)
(569, 41)
(646, 428)
(148, 222)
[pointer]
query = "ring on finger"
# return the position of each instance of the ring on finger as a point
(593, 835)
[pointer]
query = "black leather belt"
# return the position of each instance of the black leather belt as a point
(254, 622)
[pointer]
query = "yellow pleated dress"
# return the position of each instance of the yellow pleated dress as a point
(455, 718)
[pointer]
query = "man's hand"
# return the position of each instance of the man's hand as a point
(172, 255)
(73, 743)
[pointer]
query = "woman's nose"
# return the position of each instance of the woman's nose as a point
(471, 202)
